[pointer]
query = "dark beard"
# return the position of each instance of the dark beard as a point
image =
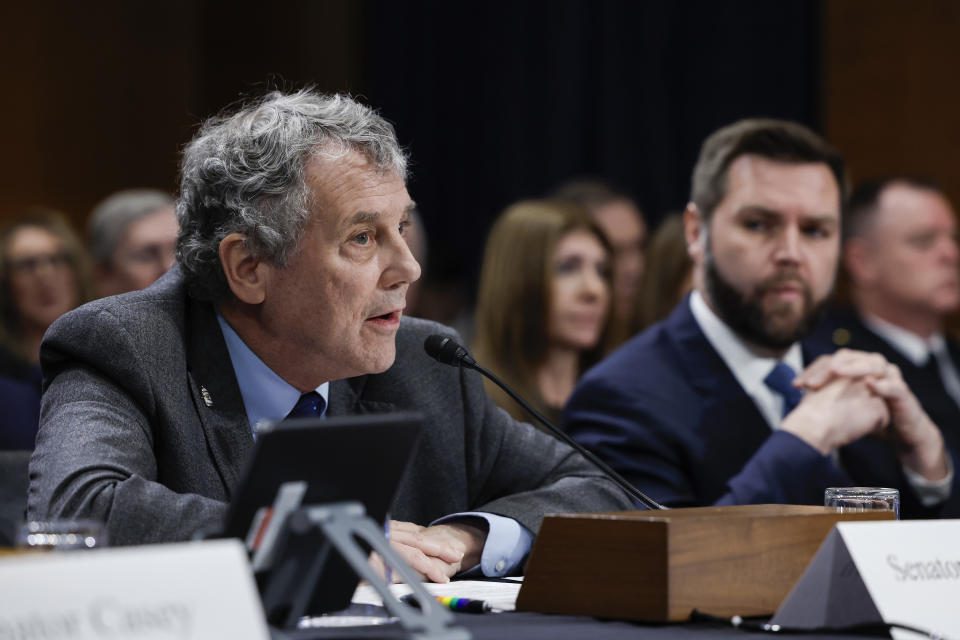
(744, 313)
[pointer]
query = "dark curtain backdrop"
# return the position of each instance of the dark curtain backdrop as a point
(496, 100)
(499, 101)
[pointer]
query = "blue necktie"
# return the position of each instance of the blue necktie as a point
(780, 379)
(310, 405)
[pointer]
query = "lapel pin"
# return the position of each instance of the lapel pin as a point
(207, 398)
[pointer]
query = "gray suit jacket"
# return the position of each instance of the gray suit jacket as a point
(126, 437)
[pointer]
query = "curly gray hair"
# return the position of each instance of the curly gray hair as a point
(246, 173)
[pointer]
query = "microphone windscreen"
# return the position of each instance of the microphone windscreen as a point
(441, 348)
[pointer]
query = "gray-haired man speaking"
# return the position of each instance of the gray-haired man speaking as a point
(291, 280)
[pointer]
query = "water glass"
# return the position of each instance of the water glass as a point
(61, 535)
(859, 499)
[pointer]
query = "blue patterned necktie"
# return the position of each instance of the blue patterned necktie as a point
(310, 405)
(780, 379)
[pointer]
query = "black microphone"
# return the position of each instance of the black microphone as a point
(446, 350)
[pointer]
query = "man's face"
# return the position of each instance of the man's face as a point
(909, 255)
(626, 230)
(145, 252)
(340, 299)
(767, 263)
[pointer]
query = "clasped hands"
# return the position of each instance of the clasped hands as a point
(437, 552)
(852, 394)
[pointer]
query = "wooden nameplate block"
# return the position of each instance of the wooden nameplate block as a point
(658, 566)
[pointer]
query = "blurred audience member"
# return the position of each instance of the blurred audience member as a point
(132, 237)
(544, 302)
(43, 274)
(667, 274)
(625, 228)
(903, 266)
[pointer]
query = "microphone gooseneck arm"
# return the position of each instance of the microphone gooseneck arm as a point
(445, 350)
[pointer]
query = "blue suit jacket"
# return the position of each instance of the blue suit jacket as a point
(20, 402)
(666, 412)
(20, 417)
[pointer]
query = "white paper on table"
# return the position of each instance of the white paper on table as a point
(501, 596)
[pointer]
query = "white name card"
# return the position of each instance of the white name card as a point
(192, 590)
(905, 572)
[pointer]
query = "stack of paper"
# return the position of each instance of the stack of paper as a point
(501, 595)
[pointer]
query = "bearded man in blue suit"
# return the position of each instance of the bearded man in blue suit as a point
(707, 407)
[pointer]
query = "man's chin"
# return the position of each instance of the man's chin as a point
(767, 318)
(781, 337)
(365, 362)
(382, 361)
(784, 327)
(946, 303)
(792, 316)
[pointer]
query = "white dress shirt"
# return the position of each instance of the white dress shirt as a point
(748, 368)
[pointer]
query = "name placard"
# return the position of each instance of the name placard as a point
(192, 590)
(905, 572)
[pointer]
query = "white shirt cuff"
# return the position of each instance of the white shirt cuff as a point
(931, 493)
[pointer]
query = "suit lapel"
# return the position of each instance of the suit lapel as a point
(730, 419)
(216, 394)
(353, 396)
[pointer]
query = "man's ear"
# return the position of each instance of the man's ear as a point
(695, 232)
(246, 275)
(858, 260)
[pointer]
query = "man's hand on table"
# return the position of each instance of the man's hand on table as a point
(436, 553)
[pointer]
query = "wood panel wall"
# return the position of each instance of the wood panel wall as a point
(101, 96)
(891, 94)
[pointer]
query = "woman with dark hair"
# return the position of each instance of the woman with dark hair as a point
(43, 274)
(544, 302)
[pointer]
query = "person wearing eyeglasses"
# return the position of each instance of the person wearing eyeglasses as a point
(132, 237)
(44, 273)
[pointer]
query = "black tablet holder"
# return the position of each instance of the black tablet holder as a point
(311, 539)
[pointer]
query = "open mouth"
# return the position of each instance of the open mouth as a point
(386, 319)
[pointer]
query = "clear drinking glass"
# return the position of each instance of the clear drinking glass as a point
(858, 499)
(61, 535)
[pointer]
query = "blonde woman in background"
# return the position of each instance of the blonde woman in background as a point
(544, 302)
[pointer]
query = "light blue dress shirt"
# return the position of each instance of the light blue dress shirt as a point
(267, 398)
(508, 543)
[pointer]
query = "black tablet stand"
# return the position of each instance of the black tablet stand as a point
(313, 537)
